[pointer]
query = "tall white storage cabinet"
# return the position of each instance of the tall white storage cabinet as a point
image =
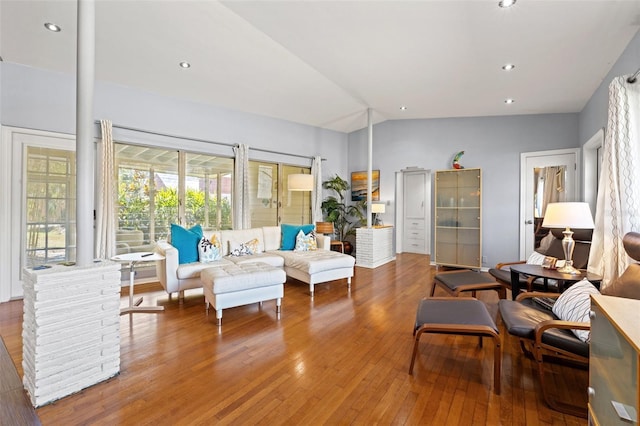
(458, 218)
(416, 206)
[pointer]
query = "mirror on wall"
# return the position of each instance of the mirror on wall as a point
(549, 186)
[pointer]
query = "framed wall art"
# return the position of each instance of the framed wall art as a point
(359, 186)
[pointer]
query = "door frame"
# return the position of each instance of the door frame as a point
(524, 157)
(12, 176)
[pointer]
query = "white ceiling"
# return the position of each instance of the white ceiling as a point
(323, 63)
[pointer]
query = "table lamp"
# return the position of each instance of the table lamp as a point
(376, 209)
(324, 228)
(568, 215)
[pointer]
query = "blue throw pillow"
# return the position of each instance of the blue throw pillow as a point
(186, 241)
(289, 233)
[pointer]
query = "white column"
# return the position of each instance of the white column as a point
(369, 166)
(85, 167)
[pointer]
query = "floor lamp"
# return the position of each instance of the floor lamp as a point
(300, 182)
(568, 215)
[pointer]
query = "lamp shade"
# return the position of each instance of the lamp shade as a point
(324, 227)
(377, 208)
(572, 215)
(300, 182)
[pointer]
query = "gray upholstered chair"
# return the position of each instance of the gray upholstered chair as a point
(546, 338)
(502, 272)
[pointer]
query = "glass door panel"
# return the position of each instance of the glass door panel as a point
(296, 205)
(50, 206)
(263, 193)
(208, 182)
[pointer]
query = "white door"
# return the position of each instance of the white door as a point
(562, 163)
(413, 211)
(41, 195)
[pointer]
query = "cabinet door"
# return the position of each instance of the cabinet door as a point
(417, 186)
(414, 184)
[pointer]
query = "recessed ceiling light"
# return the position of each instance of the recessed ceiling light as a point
(403, 108)
(506, 3)
(185, 64)
(52, 27)
(509, 101)
(508, 67)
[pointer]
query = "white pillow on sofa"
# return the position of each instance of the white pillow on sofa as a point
(574, 305)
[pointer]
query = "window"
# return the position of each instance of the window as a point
(270, 201)
(209, 184)
(51, 206)
(147, 196)
(153, 194)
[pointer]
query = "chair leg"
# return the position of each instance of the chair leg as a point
(497, 365)
(433, 289)
(554, 403)
(415, 350)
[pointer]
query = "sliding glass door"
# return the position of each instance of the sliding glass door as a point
(271, 202)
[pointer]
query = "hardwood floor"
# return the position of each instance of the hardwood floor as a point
(339, 359)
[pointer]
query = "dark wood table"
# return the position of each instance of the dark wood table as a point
(546, 274)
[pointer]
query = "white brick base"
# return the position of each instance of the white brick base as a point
(71, 329)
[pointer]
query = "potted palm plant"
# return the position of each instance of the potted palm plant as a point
(345, 218)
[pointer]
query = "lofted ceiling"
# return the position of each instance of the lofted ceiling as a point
(323, 63)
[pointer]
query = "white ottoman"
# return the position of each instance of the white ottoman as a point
(241, 284)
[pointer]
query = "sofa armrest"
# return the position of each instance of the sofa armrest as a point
(167, 269)
(323, 241)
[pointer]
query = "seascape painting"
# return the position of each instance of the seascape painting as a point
(359, 186)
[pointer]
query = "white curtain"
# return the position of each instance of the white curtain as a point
(618, 202)
(241, 209)
(106, 196)
(316, 195)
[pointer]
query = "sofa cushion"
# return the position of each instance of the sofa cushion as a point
(268, 258)
(289, 233)
(193, 269)
(575, 304)
(233, 278)
(186, 241)
(234, 237)
(272, 237)
(316, 261)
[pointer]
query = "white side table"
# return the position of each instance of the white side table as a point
(133, 259)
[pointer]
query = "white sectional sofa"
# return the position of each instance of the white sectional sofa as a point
(311, 267)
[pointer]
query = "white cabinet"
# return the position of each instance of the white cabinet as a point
(458, 218)
(374, 246)
(416, 207)
(614, 395)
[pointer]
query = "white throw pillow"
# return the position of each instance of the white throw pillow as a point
(535, 258)
(574, 305)
(208, 251)
(306, 242)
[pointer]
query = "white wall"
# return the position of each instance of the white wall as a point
(492, 143)
(43, 100)
(594, 115)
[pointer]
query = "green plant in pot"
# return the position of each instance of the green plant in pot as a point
(345, 218)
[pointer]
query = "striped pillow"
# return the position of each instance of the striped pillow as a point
(574, 305)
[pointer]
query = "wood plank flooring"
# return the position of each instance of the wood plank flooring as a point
(341, 358)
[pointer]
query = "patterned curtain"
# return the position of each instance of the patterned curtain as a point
(241, 205)
(106, 197)
(316, 195)
(618, 202)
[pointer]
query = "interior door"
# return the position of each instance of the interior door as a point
(533, 165)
